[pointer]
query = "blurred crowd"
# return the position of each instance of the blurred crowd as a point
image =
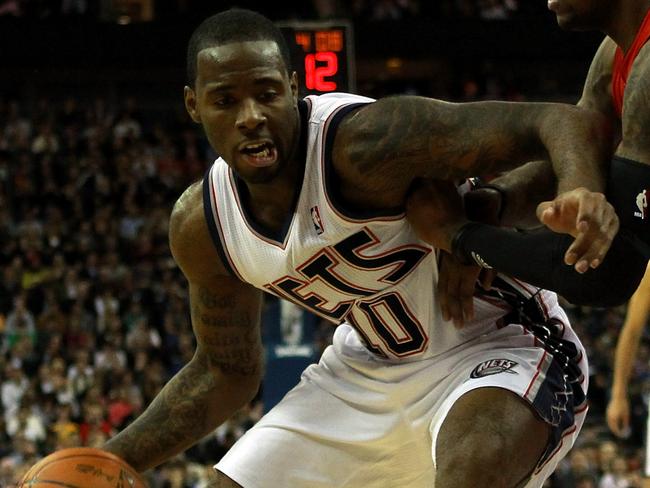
(359, 10)
(93, 311)
(386, 10)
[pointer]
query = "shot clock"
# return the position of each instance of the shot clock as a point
(322, 55)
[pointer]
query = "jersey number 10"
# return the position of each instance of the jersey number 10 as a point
(323, 289)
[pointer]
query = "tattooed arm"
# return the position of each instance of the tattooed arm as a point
(381, 148)
(225, 371)
(625, 356)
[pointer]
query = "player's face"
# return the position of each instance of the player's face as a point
(581, 14)
(248, 107)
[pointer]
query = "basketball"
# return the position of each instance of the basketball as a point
(82, 467)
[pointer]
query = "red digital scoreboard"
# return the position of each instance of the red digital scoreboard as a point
(322, 55)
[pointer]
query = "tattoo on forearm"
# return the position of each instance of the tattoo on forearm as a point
(240, 357)
(177, 417)
(197, 398)
(182, 413)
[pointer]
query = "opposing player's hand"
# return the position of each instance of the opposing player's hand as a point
(456, 285)
(435, 210)
(618, 416)
(589, 218)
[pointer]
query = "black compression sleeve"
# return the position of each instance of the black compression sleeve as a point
(628, 190)
(537, 257)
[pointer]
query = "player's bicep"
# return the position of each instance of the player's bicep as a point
(635, 143)
(226, 322)
(225, 311)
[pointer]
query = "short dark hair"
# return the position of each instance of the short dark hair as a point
(233, 25)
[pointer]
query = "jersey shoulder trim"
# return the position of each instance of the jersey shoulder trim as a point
(214, 226)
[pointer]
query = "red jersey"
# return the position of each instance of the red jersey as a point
(623, 64)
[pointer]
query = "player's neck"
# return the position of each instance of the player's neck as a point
(626, 21)
(272, 201)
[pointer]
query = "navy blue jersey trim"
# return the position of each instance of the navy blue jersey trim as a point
(556, 402)
(242, 190)
(332, 186)
(212, 225)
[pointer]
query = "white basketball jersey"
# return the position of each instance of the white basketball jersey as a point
(365, 268)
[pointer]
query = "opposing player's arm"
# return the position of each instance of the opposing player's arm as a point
(628, 183)
(225, 371)
(638, 311)
(385, 145)
(633, 164)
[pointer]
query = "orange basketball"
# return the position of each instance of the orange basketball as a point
(81, 467)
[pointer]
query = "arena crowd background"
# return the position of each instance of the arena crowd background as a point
(95, 147)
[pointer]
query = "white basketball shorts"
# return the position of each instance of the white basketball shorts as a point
(356, 421)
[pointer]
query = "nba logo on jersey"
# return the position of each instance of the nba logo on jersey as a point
(315, 218)
(642, 204)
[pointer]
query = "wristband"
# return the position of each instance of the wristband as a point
(478, 184)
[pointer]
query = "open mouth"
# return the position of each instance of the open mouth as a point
(260, 154)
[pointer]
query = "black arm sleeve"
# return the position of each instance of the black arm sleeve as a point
(537, 257)
(628, 190)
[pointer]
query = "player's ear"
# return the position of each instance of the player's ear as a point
(190, 104)
(294, 86)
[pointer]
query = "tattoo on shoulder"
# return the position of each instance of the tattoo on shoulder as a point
(636, 109)
(596, 94)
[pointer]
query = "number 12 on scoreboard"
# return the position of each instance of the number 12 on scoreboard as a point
(316, 76)
(322, 55)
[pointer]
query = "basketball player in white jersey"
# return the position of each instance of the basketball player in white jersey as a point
(306, 203)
